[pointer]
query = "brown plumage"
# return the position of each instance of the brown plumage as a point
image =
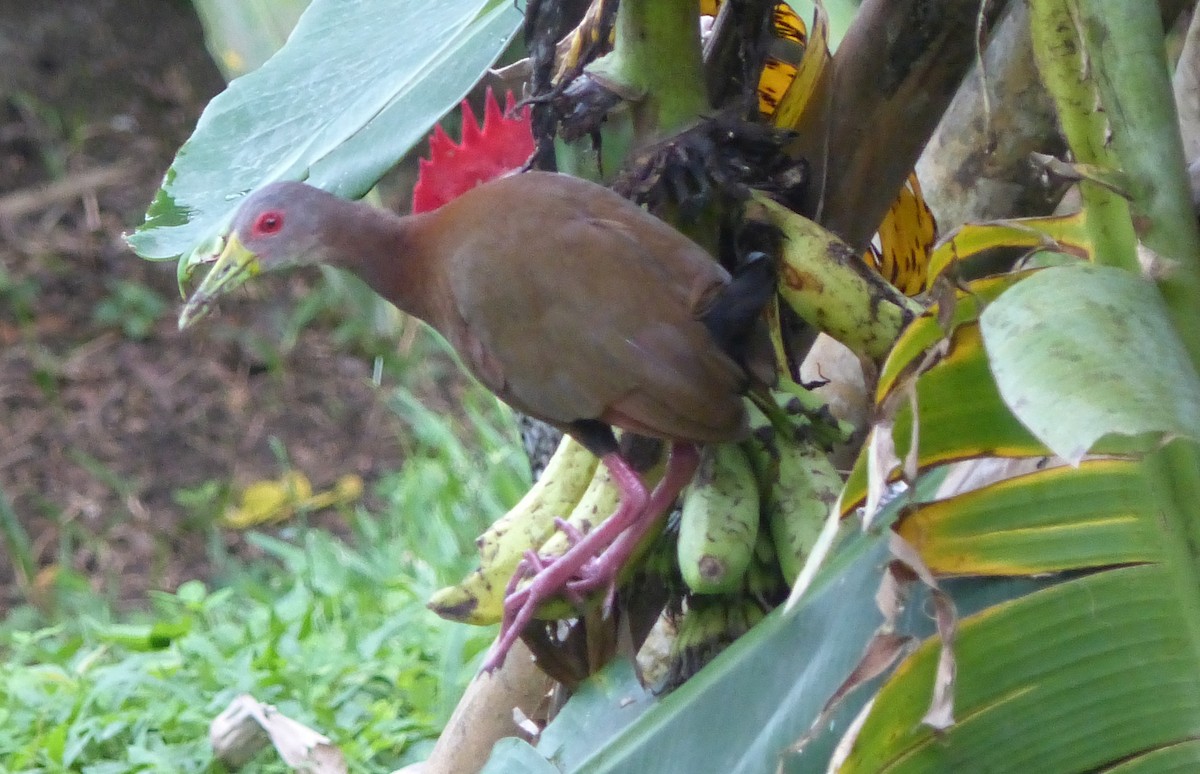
(570, 303)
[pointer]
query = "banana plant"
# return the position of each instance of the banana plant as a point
(1052, 621)
(1045, 618)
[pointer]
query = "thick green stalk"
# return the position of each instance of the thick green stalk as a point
(1070, 78)
(1123, 43)
(656, 63)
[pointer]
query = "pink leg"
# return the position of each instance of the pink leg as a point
(680, 468)
(607, 547)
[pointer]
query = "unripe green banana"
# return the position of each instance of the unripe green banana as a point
(806, 487)
(718, 524)
(829, 285)
(708, 626)
(801, 485)
(479, 597)
(764, 580)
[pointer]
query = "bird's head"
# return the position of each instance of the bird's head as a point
(278, 225)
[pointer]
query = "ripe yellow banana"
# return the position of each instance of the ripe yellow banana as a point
(479, 597)
(718, 524)
(599, 502)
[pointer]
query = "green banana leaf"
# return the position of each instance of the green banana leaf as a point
(1058, 662)
(1078, 633)
(1080, 352)
(743, 711)
(1087, 666)
(1100, 668)
(354, 88)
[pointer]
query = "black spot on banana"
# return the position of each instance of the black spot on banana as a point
(479, 597)
(828, 284)
(719, 521)
(707, 627)
(800, 485)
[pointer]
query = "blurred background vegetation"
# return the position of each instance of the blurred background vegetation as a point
(132, 609)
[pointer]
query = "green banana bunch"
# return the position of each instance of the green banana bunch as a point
(479, 597)
(718, 524)
(828, 284)
(708, 626)
(802, 485)
(599, 502)
(764, 581)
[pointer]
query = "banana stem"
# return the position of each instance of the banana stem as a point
(1071, 80)
(1124, 43)
(656, 63)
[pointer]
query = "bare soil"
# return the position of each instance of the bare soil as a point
(102, 435)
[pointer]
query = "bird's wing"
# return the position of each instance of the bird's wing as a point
(588, 323)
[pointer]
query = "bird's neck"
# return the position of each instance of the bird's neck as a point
(387, 252)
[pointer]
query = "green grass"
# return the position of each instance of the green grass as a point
(131, 306)
(337, 646)
(334, 633)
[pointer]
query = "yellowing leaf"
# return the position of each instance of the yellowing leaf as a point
(786, 52)
(592, 36)
(268, 502)
(347, 489)
(786, 25)
(1065, 233)
(776, 76)
(1097, 515)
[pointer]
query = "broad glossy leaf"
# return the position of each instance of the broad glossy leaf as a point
(1082, 352)
(355, 87)
(1180, 758)
(1097, 515)
(604, 705)
(960, 416)
(1069, 678)
(242, 34)
(962, 413)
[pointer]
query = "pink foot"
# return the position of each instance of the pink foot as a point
(594, 560)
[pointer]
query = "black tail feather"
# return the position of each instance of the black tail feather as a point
(732, 317)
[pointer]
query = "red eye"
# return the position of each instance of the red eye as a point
(268, 223)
